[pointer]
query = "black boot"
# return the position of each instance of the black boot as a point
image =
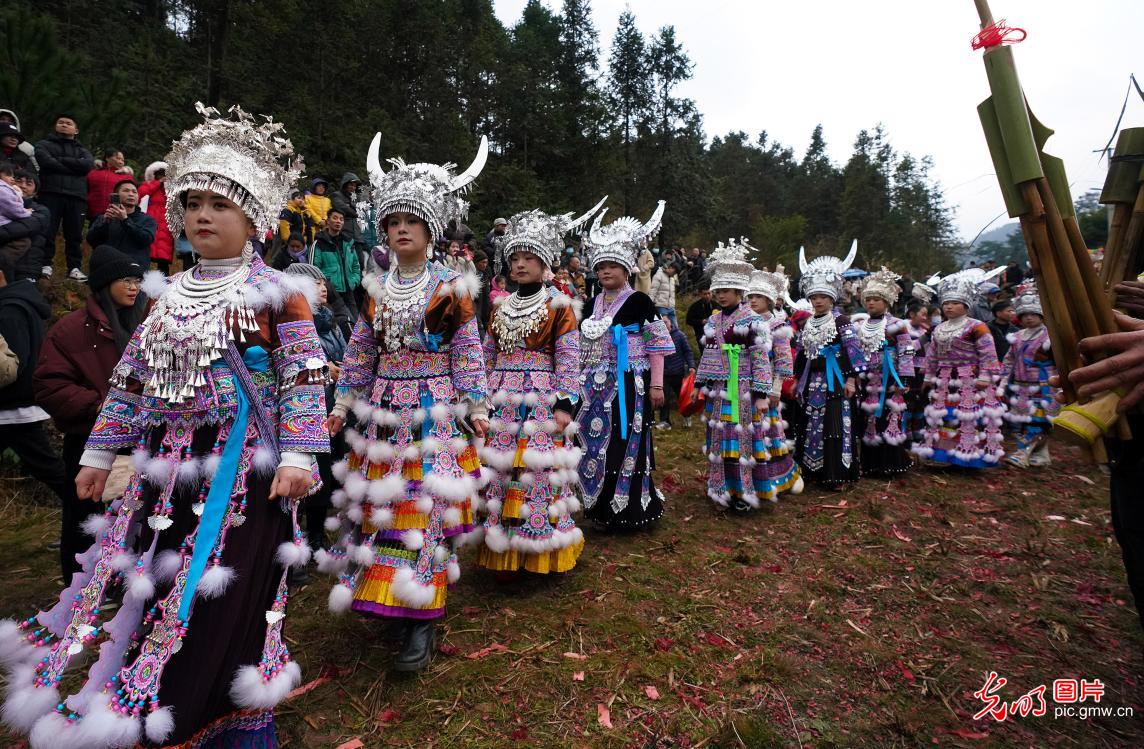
(418, 650)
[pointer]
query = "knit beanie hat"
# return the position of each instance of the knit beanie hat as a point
(109, 265)
(305, 269)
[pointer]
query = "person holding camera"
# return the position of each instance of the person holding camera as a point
(123, 226)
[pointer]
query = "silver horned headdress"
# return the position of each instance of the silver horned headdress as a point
(823, 275)
(619, 242)
(1027, 299)
(428, 191)
(882, 284)
(963, 286)
(251, 163)
(729, 267)
(540, 234)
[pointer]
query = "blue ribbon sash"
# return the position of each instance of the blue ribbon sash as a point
(620, 341)
(218, 496)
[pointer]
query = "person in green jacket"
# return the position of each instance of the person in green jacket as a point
(335, 255)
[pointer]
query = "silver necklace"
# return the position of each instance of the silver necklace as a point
(191, 326)
(401, 310)
(872, 334)
(519, 317)
(818, 332)
(602, 313)
(945, 334)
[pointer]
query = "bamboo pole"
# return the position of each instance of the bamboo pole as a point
(1116, 255)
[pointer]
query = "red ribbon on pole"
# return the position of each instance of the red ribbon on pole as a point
(997, 35)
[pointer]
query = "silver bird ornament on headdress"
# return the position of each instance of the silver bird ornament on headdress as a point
(619, 241)
(729, 267)
(882, 284)
(250, 163)
(823, 275)
(429, 191)
(540, 233)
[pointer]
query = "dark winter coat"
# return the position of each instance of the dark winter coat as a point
(34, 227)
(64, 165)
(23, 311)
(71, 377)
(683, 359)
(345, 204)
(132, 236)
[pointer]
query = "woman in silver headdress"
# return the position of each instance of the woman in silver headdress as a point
(964, 417)
(220, 395)
(623, 344)
(889, 349)
(414, 377)
(1025, 374)
(532, 351)
(765, 291)
(828, 363)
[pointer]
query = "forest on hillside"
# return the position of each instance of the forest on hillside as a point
(572, 112)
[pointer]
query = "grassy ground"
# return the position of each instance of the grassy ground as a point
(866, 618)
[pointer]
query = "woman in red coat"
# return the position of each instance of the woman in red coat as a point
(163, 248)
(71, 377)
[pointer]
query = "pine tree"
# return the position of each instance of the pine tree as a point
(629, 93)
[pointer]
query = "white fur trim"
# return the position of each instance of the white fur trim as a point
(159, 725)
(291, 554)
(26, 703)
(154, 284)
(96, 525)
(341, 598)
(413, 539)
(406, 588)
(140, 586)
(251, 691)
(215, 581)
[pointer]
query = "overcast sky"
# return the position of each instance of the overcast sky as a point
(784, 67)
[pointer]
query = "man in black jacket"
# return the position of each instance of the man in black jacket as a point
(34, 227)
(23, 311)
(64, 165)
(698, 313)
(124, 226)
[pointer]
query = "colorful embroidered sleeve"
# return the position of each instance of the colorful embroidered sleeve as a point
(656, 338)
(762, 375)
(783, 360)
(359, 363)
(466, 355)
(852, 359)
(987, 363)
(489, 349)
(300, 365)
(120, 424)
(931, 358)
(904, 345)
(567, 365)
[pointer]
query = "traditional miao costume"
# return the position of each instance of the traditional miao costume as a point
(622, 347)
(412, 373)
(963, 418)
(889, 350)
(779, 470)
(1025, 374)
(916, 399)
(220, 385)
(734, 371)
(825, 447)
(532, 351)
